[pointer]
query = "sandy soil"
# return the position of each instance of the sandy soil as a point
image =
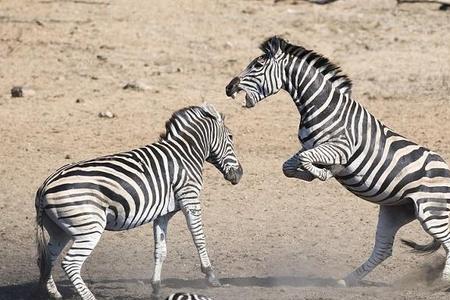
(269, 237)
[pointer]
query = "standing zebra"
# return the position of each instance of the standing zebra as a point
(123, 191)
(341, 139)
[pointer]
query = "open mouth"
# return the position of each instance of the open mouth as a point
(248, 102)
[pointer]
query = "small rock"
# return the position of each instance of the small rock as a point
(248, 11)
(107, 47)
(106, 114)
(67, 156)
(228, 45)
(136, 86)
(79, 100)
(19, 91)
(102, 58)
(16, 92)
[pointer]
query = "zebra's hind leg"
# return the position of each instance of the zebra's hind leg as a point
(434, 216)
(159, 235)
(79, 251)
(390, 220)
(58, 240)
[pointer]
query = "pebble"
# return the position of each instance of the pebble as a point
(106, 114)
(136, 86)
(102, 58)
(19, 91)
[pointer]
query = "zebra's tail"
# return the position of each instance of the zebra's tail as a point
(431, 247)
(43, 260)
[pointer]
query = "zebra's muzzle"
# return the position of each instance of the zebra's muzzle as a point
(234, 175)
(233, 87)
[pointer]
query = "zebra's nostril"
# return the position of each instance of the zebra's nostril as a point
(232, 86)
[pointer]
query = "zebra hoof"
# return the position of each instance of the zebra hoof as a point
(55, 295)
(349, 281)
(213, 281)
(342, 283)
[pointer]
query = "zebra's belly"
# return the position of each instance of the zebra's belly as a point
(375, 189)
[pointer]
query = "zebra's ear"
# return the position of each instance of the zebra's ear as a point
(272, 46)
(211, 111)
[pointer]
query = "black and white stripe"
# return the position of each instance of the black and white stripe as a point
(187, 296)
(341, 139)
(122, 191)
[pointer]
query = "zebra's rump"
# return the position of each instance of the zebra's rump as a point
(120, 190)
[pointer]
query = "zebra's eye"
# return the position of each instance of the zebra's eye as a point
(259, 63)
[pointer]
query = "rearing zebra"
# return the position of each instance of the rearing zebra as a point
(342, 139)
(122, 191)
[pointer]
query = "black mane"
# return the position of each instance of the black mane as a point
(181, 113)
(174, 117)
(340, 81)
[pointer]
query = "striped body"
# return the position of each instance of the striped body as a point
(122, 191)
(341, 139)
(375, 163)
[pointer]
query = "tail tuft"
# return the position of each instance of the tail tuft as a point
(43, 260)
(426, 249)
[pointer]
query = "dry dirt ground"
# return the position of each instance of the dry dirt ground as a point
(269, 237)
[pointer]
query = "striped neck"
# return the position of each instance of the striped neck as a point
(309, 88)
(190, 137)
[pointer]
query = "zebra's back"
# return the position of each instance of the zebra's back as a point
(122, 191)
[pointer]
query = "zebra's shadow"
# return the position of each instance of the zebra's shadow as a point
(269, 281)
(29, 291)
(108, 288)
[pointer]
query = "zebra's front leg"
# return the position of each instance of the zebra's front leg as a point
(291, 169)
(159, 235)
(326, 154)
(390, 220)
(193, 213)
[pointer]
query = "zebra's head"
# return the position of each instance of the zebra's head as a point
(264, 76)
(222, 154)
